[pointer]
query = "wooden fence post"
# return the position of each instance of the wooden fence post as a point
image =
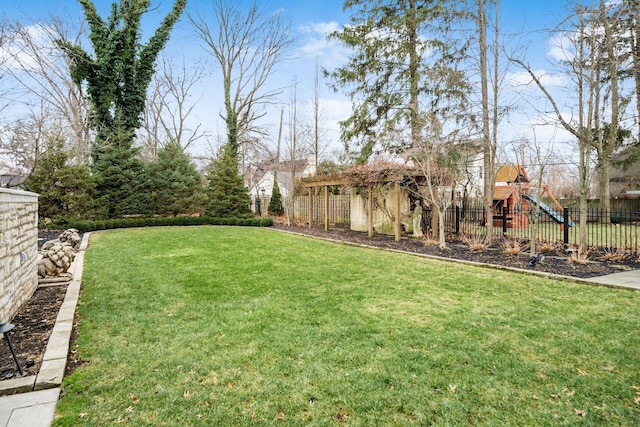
(310, 207)
(397, 212)
(370, 212)
(326, 208)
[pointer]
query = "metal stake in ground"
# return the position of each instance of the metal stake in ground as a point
(4, 329)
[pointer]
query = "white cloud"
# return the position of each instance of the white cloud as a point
(523, 78)
(322, 28)
(16, 53)
(561, 48)
(314, 43)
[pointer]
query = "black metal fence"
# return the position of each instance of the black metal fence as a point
(617, 229)
(605, 230)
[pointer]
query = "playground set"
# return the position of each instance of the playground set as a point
(519, 196)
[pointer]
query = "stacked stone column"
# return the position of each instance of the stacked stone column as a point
(18, 250)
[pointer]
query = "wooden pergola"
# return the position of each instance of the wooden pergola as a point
(319, 182)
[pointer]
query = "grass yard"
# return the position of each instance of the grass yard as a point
(204, 326)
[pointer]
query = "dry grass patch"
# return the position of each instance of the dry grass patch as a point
(477, 243)
(546, 247)
(430, 242)
(614, 254)
(576, 256)
(513, 247)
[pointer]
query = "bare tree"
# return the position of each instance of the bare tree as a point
(490, 84)
(248, 45)
(292, 153)
(39, 72)
(317, 133)
(4, 101)
(608, 140)
(440, 160)
(169, 106)
(20, 146)
(582, 65)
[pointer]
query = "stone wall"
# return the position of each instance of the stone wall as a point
(18, 250)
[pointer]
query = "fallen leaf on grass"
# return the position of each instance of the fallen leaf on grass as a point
(83, 415)
(582, 373)
(452, 388)
(568, 392)
(187, 394)
(129, 410)
(580, 412)
(135, 400)
(342, 416)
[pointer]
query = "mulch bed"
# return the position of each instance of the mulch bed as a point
(35, 320)
(33, 325)
(555, 263)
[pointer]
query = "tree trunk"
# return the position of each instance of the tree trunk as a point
(489, 154)
(414, 59)
(441, 228)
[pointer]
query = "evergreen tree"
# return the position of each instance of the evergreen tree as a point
(389, 74)
(176, 184)
(118, 76)
(275, 204)
(66, 191)
(228, 196)
(122, 182)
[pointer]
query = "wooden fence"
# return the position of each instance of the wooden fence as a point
(339, 208)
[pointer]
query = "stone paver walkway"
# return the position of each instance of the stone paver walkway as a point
(33, 409)
(627, 279)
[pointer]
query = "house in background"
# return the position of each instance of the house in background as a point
(625, 184)
(12, 180)
(259, 180)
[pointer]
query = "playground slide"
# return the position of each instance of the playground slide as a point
(557, 217)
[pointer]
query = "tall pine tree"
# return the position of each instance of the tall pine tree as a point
(400, 56)
(228, 196)
(176, 184)
(275, 204)
(122, 182)
(66, 190)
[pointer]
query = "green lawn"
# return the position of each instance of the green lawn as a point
(209, 326)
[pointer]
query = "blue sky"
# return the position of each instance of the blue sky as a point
(310, 20)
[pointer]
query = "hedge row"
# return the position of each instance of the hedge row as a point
(107, 224)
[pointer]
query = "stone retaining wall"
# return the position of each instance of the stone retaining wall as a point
(18, 250)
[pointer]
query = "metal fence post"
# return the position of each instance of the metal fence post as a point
(566, 226)
(505, 210)
(457, 219)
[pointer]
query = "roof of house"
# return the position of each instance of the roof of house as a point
(501, 193)
(284, 166)
(511, 173)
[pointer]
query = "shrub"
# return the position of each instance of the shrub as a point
(512, 247)
(546, 247)
(578, 257)
(614, 254)
(89, 225)
(477, 243)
